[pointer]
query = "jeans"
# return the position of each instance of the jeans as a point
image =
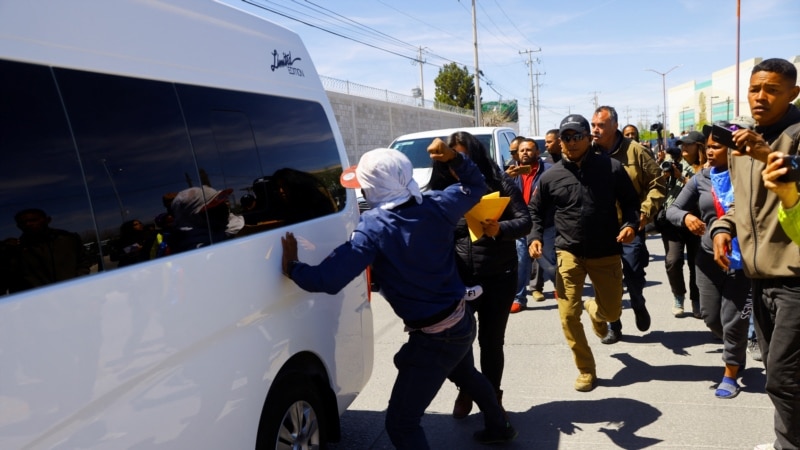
(493, 308)
(547, 263)
(423, 363)
(524, 268)
(544, 268)
(776, 306)
(725, 306)
(635, 258)
(675, 239)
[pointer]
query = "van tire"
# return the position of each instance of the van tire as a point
(294, 417)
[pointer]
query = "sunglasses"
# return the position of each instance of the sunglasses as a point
(575, 137)
(513, 152)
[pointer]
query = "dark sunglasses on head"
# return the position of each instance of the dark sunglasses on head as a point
(574, 137)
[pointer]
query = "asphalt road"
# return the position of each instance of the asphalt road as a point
(655, 388)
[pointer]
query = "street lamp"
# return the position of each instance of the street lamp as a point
(683, 118)
(664, 89)
(711, 108)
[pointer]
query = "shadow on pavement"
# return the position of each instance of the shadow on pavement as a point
(540, 427)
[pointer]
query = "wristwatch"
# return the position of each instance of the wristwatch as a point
(290, 267)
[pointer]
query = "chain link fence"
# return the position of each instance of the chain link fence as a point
(359, 90)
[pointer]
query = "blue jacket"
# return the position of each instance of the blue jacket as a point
(543, 166)
(410, 248)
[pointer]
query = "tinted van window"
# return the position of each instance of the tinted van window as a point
(94, 162)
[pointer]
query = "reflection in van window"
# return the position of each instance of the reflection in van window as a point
(42, 255)
(104, 157)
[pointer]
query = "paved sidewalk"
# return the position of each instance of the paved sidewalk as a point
(655, 388)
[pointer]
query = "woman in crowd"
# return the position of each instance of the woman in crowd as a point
(725, 301)
(490, 261)
(676, 239)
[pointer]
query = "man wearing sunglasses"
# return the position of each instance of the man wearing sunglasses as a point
(651, 190)
(581, 191)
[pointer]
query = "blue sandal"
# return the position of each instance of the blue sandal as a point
(728, 388)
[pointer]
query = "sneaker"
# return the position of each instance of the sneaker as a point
(538, 296)
(677, 307)
(585, 382)
(473, 292)
(764, 447)
(501, 436)
(612, 337)
(517, 307)
(642, 318)
(754, 349)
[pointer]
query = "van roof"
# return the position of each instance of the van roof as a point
(225, 43)
(449, 131)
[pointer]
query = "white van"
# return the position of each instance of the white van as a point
(415, 145)
(154, 152)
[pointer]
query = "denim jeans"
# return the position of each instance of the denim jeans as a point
(776, 307)
(547, 263)
(725, 306)
(635, 258)
(675, 240)
(523, 271)
(423, 363)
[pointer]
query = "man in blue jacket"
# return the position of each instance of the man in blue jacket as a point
(426, 292)
(527, 181)
(581, 193)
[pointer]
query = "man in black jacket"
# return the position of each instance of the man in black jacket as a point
(582, 190)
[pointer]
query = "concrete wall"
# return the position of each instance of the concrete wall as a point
(366, 124)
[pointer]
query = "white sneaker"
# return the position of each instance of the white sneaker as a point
(764, 447)
(473, 292)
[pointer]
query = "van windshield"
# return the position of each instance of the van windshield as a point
(417, 149)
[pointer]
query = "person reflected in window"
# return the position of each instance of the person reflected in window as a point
(201, 217)
(43, 255)
(301, 195)
(134, 244)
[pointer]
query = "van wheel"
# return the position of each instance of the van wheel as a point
(293, 418)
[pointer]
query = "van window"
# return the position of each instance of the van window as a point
(504, 148)
(93, 163)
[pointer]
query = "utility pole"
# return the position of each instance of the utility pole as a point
(538, 99)
(594, 99)
(477, 70)
(533, 99)
(421, 82)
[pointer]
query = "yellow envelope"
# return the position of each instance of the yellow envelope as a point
(491, 206)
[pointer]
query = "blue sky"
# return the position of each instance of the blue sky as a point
(588, 48)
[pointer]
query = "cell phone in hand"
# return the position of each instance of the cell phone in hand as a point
(524, 169)
(723, 135)
(792, 162)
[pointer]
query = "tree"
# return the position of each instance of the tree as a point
(455, 87)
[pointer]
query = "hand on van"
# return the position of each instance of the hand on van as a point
(289, 244)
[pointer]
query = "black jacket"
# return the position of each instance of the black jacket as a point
(488, 256)
(583, 199)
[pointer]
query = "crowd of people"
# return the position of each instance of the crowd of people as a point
(729, 210)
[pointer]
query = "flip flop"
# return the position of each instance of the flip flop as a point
(728, 388)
